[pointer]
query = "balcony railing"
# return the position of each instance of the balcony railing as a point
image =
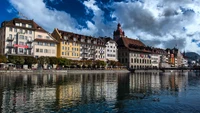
(29, 47)
(10, 39)
(10, 45)
(29, 41)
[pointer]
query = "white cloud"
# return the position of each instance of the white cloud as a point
(50, 18)
(157, 23)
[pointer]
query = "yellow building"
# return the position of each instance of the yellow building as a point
(68, 46)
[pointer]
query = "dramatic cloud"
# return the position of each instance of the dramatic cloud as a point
(163, 23)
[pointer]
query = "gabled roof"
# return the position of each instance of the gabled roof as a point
(133, 44)
(107, 39)
(80, 37)
(12, 22)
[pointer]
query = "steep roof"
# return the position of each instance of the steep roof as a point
(133, 44)
(34, 25)
(80, 37)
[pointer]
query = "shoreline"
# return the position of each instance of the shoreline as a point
(80, 71)
(61, 71)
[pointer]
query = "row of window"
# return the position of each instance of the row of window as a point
(20, 37)
(44, 51)
(111, 55)
(20, 30)
(110, 50)
(20, 50)
(40, 36)
(67, 53)
(140, 67)
(141, 61)
(67, 48)
(90, 46)
(46, 44)
(23, 25)
(68, 43)
(97, 56)
(111, 47)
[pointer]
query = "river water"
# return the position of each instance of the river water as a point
(150, 92)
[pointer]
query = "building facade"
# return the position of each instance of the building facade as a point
(79, 47)
(111, 49)
(18, 37)
(132, 53)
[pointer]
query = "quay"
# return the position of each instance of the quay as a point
(182, 69)
(61, 71)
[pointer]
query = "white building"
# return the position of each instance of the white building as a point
(18, 37)
(185, 62)
(111, 49)
(158, 58)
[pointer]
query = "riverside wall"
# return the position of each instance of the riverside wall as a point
(60, 71)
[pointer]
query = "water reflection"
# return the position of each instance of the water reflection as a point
(100, 92)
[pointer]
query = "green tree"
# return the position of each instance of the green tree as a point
(12, 59)
(3, 59)
(43, 60)
(64, 62)
(100, 63)
(20, 60)
(53, 60)
(29, 60)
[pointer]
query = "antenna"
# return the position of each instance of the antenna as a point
(22, 16)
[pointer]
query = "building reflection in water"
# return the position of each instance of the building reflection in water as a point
(40, 93)
(148, 82)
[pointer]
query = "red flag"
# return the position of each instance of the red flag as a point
(141, 55)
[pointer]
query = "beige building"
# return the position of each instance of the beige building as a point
(20, 37)
(79, 47)
(132, 53)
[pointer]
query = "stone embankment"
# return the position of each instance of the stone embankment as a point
(61, 71)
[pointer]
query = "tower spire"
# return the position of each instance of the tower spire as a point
(119, 33)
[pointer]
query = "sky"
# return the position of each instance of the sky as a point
(157, 23)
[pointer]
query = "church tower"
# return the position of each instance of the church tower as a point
(119, 33)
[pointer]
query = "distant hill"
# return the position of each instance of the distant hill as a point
(192, 55)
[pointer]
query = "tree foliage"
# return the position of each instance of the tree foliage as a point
(3, 59)
(16, 60)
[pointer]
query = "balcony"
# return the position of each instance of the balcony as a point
(93, 48)
(29, 47)
(10, 46)
(29, 41)
(10, 39)
(86, 51)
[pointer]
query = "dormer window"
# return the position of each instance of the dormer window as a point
(47, 37)
(74, 39)
(39, 36)
(17, 24)
(29, 26)
(65, 37)
(82, 40)
(23, 25)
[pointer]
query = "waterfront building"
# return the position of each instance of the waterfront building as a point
(111, 49)
(68, 46)
(184, 60)
(20, 37)
(158, 58)
(79, 47)
(132, 53)
(175, 57)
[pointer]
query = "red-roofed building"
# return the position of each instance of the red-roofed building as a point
(26, 38)
(131, 52)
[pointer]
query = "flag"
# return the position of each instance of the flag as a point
(141, 55)
(149, 56)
